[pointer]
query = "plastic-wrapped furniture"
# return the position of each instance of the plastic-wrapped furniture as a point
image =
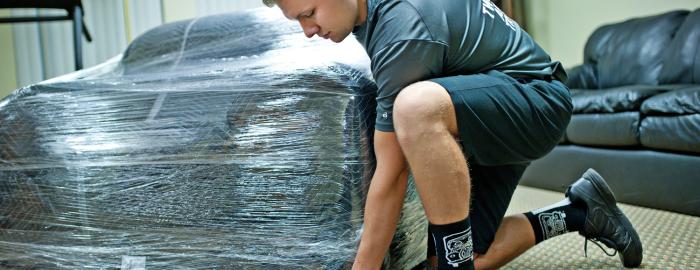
(225, 142)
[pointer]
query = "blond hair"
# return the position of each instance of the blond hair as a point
(269, 3)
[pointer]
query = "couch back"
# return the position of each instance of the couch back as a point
(682, 57)
(649, 50)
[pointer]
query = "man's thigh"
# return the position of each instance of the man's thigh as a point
(502, 120)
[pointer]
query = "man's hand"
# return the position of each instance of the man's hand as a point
(384, 201)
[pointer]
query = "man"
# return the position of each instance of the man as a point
(466, 100)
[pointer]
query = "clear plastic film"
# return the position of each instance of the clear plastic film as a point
(224, 142)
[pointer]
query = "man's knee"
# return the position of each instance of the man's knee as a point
(423, 105)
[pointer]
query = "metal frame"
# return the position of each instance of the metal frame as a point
(75, 14)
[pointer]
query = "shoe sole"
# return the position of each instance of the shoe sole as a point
(606, 193)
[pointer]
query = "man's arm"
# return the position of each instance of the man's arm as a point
(384, 201)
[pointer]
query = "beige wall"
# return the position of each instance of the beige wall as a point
(8, 81)
(175, 10)
(562, 27)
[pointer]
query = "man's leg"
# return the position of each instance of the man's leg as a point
(498, 120)
(494, 236)
(514, 237)
(497, 243)
(589, 208)
(426, 128)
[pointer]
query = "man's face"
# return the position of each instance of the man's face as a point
(330, 19)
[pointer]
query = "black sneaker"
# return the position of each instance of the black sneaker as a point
(605, 222)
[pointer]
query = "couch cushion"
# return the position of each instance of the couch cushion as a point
(619, 99)
(682, 101)
(612, 129)
(675, 133)
(682, 58)
(631, 52)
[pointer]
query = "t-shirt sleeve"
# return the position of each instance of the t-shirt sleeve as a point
(398, 65)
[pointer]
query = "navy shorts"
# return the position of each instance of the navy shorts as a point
(504, 123)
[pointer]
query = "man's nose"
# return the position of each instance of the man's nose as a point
(309, 29)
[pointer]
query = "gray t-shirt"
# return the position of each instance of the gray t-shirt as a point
(415, 40)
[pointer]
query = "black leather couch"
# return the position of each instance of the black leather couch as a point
(636, 114)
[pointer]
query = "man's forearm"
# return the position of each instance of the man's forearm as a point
(382, 212)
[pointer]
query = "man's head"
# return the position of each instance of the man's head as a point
(331, 19)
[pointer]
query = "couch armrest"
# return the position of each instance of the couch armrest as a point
(582, 77)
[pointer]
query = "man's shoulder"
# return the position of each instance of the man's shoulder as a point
(402, 11)
(396, 13)
(402, 20)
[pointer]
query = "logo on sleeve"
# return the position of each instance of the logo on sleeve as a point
(488, 8)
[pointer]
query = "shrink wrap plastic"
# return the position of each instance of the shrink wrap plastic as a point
(223, 142)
